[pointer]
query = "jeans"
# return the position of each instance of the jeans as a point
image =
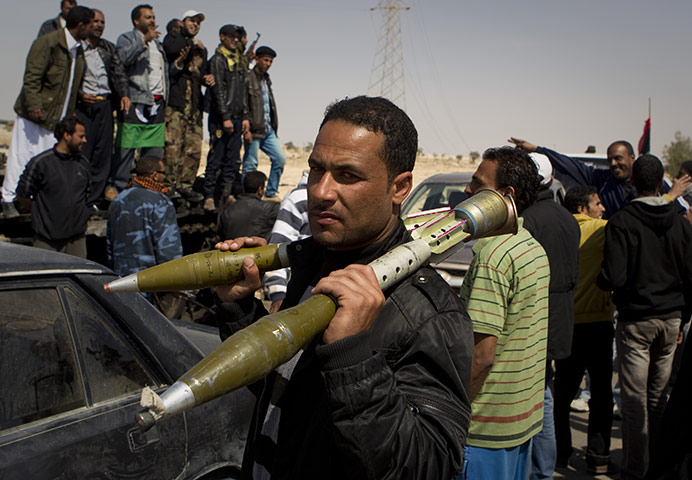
(496, 463)
(270, 146)
(543, 449)
(645, 351)
(592, 351)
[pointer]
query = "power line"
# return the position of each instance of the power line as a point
(387, 73)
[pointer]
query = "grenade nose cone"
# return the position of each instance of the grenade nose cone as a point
(125, 284)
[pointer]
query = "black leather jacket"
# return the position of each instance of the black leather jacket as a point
(255, 104)
(387, 403)
(248, 216)
(228, 94)
(195, 66)
(117, 78)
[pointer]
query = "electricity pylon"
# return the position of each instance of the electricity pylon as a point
(387, 73)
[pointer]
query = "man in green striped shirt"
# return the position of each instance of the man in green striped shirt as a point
(506, 295)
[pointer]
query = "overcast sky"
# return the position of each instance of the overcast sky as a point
(559, 73)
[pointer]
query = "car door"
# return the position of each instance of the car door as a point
(70, 380)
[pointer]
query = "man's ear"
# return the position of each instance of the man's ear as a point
(508, 190)
(581, 209)
(401, 187)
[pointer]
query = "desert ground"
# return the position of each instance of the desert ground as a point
(297, 161)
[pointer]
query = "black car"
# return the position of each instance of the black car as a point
(73, 362)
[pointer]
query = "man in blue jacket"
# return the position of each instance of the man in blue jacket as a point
(614, 185)
(143, 125)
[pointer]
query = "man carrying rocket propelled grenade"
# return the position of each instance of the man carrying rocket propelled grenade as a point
(382, 393)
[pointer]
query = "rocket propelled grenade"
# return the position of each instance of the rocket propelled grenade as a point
(252, 353)
(200, 270)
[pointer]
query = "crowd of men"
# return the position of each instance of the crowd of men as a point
(158, 91)
(416, 381)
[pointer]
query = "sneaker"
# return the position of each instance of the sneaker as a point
(190, 195)
(209, 204)
(9, 210)
(617, 414)
(600, 465)
(172, 193)
(579, 405)
(110, 193)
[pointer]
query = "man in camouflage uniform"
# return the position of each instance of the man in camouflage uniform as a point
(142, 226)
(188, 57)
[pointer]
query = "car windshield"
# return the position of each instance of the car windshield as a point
(435, 195)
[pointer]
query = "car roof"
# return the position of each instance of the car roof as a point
(20, 260)
(455, 177)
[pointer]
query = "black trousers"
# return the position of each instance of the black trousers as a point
(98, 149)
(592, 351)
(223, 158)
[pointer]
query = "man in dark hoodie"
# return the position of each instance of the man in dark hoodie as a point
(647, 263)
(558, 233)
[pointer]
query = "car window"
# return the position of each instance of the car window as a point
(435, 195)
(39, 375)
(111, 367)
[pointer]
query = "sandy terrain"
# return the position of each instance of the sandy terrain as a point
(426, 165)
(296, 162)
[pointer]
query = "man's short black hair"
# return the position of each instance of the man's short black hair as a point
(624, 143)
(78, 15)
(147, 164)
(67, 125)
(579, 196)
(515, 169)
(71, 2)
(172, 25)
(137, 11)
(379, 115)
(253, 181)
(647, 174)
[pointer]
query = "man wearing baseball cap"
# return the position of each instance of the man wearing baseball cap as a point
(189, 71)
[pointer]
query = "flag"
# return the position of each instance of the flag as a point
(645, 141)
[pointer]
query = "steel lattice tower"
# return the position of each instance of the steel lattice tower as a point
(387, 73)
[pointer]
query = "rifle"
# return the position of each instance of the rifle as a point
(250, 54)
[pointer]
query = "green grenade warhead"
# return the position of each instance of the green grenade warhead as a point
(200, 270)
(251, 353)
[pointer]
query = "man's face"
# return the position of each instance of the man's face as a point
(160, 174)
(594, 209)
(146, 20)
(82, 31)
(97, 25)
(191, 26)
(620, 161)
(350, 201)
(76, 141)
(228, 41)
(65, 7)
(484, 177)
(264, 63)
